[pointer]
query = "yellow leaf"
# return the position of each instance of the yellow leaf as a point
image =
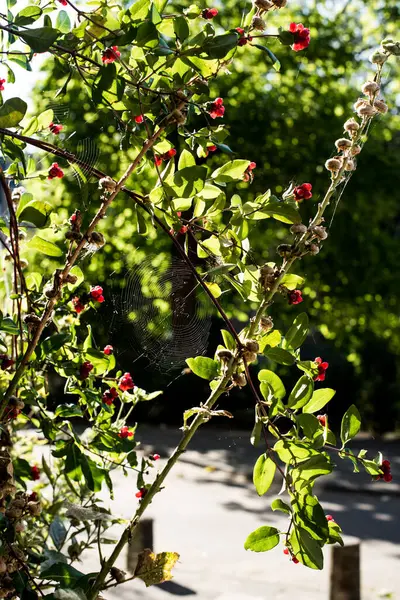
(155, 568)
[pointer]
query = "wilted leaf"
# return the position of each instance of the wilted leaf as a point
(155, 568)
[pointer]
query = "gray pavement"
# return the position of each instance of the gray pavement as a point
(209, 506)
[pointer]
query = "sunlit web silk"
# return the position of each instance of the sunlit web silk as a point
(163, 312)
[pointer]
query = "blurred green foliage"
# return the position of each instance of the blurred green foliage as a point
(286, 122)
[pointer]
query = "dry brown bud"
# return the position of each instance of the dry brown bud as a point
(342, 144)
(284, 249)
(3, 565)
(266, 270)
(117, 574)
(350, 165)
(24, 263)
(298, 228)
(16, 403)
(250, 357)
(360, 102)
(239, 379)
(13, 513)
(258, 23)
(31, 318)
(333, 165)
(266, 323)
(98, 239)
(70, 278)
(381, 106)
(224, 355)
(107, 184)
(263, 5)
(21, 235)
(370, 87)
(73, 235)
(366, 111)
(313, 249)
(34, 508)
(351, 126)
(251, 345)
(279, 3)
(355, 150)
(320, 232)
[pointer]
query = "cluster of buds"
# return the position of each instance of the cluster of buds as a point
(386, 472)
(250, 350)
(268, 276)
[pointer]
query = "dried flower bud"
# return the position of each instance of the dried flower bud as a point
(251, 345)
(178, 116)
(313, 249)
(266, 270)
(224, 355)
(70, 278)
(14, 513)
(333, 165)
(258, 23)
(263, 4)
(279, 3)
(21, 234)
(366, 111)
(350, 165)
(239, 379)
(117, 574)
(355, 150)
(370, 87)
(284, 250)
(97, 239)
(342, 144)
(107, 184)
(34, 508)
(250, 357)
(360, 102)
(351, 126)
(3, 565)
(16, 403)
(320, 232)
(73, 235)
(378, 58)
(381, 106)
(298, 228)
(266, 323)
(23, 263)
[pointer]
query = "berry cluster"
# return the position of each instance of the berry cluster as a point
(387, 474)
(84, 370)
(301, 36)
(209, 13)
(124, 433)
(2, 82)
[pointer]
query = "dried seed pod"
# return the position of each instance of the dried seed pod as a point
(320, 232)
(333, 165)
(13, 513)
(360, 102)
(351, 126)
(279, 3)
(24, 263)
(266, 323)
(350, 165)
(381, 106)
(284, 250)
(366, 111)
(251, 345)
(250, 357)
(370, 87)
(34, 508)
(70, 278)
(263, 5)
(16, 403)
(266, 270)
(224, 355)
(107, 184)
(312, 248)
(355, 150)
(258, 23)
(239, 379)
(117, 574)
(97, 239)
(342, 144)
(298, 228)
(73, 235)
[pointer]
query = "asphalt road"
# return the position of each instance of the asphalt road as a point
(209, 506)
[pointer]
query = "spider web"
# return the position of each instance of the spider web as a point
(163, 312)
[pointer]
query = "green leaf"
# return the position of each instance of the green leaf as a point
(220, 45)
(310, 515)
(54, 343)
(228, 338)
(351, 424)
(297, 332)
(274, 381)
(273, 61)
(232, 171)
(68, 410)
(63, 22)
(270, 339)
(36, 212)
(12, 112)
(139, 9)
(292, 281)
(309, 424)
(203, 367)
(181, 28)
(307, 471)
(28, 15)
(256, 433)
(280, 505)
(301, 393)
(293, 451)
(8, 325)
(262, 539)
(263, 474)
(77, 271)
(186, 159)
(147, 35)
(100, 361)
(39, 39)
(318, 400)
(189, 181)
(65, 574)
(213, 245)
(306, 549)
(334, 534)
(44, 246)
(58, 532)
(93, 474)
(283, 357)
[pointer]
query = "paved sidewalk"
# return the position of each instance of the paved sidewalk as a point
(209, 506)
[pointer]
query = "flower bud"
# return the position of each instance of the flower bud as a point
(370, 87)
(258, 23)
(381, 106)
(251, 345)
(117, 574)
(366, 111)
(351, 126)
(313, 249)
(224, 355)
(239, 379)
(298, 228)
(266, 323)
(342, 144)
(333, 165)
(355, 150)
(360, 102)
(107, 184)
(350, 165)
(378, 58)
(320, 232)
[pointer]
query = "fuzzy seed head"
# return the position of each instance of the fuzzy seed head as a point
(333, 165)
(351, 126)
(381, 106)
(355, 150)
(370, 87)
(107, 184)
(258, 23)
(266, 324)
(378, 58)
(251, 345)
(342, 144)
(366, 111)
(320, 232)
(224, 355)
(298, 228)
(350, 165)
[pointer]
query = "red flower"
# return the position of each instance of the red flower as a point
(85, 369)
(63, 2)
(96, 293)
(212, 148)
(209, 13)
(139, 119)
(386, 475)
(109, 396)
(302, 192)
(2, 82)
(248, 175)
(73, 218)
(216, 109)
(295, 297)
(126, 382)
(55, 171)
(242, 41)
(6, 361)
(330, 518)
(158, 160)
(240, 30)
(125, 433)
(78, 305)
(154, 457)
(56, 129)
(322, 419)
(322, 367)
(183, 229)
(35, 473)
(301, 36)
(108, 350)
(110, 55)
(179, 213)
(170, 153)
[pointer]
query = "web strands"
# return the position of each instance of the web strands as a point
(164, 312)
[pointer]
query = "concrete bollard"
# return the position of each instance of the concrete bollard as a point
(142, 539)
(345, 573)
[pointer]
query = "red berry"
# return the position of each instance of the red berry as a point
(252, 166)
(240, 30)
(154, 457)
(35, 473)
(126, 382)
(158, 160)
(55, 171)
(109, 396)
(33, 497)
(96, 293)
(388, 477)
(2, 82)
(171, 153)
(301, 36)
(125, 433)
(322, 419)
(212, 148)
(294, 560)
(63, 2)
(330, 518)
(183, 229)
(5, 361)
(139, 119)
(56, 129)
(108, 350)
(302, 192)
(286, 551)
(209, 13)
(141, 493)
(110, 55)
(78, 305)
